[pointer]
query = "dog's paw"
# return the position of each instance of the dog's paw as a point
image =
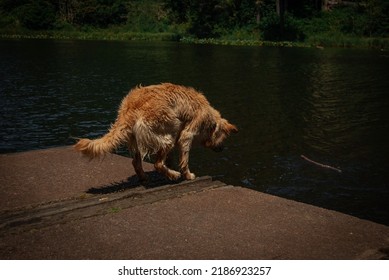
(190, 176)
(173, 175)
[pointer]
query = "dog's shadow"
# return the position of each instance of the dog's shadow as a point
(154, 180)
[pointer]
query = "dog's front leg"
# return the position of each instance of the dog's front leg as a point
(184, 144)
(161, 167)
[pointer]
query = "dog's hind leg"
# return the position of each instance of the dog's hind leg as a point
(161, 167)
(137, 163)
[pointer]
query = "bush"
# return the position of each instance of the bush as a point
(37, 15)
(272, 30)
(146, 16)
(350, 20)
(6, 20)
(203, 18)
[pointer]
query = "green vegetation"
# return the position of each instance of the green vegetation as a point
(362, 23)
(114, 210)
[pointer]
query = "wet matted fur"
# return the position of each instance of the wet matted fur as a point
(155, 119)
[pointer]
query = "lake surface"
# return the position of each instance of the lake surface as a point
(330, 105)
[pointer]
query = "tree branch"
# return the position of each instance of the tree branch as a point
(321, 165)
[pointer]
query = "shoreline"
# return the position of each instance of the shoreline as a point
(320, 41)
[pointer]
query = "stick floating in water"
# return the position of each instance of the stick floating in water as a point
(321, 165)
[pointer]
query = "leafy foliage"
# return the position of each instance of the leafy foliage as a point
(37, 15)
(252, 19)
(147, 16)
(100, 13)
(272, 29)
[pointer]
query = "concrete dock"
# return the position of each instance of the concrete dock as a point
(56, 204)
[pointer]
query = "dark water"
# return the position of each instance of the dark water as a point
(329, 105)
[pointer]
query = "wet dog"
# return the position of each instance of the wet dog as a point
(155, 119)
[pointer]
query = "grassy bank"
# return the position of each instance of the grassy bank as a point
(91, 34)
(342, 41)
(103, 34)
(242, 42)
(319, 40)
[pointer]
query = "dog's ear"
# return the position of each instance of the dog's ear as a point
(229, 128)
(232, 128)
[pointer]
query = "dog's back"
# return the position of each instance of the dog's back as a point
(164, 101)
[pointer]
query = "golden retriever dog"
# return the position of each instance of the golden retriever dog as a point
(155, 119)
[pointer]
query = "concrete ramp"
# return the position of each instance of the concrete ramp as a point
(56, 204)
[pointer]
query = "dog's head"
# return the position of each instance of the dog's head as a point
(218, 133)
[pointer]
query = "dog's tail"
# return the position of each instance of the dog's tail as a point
(116, 135)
